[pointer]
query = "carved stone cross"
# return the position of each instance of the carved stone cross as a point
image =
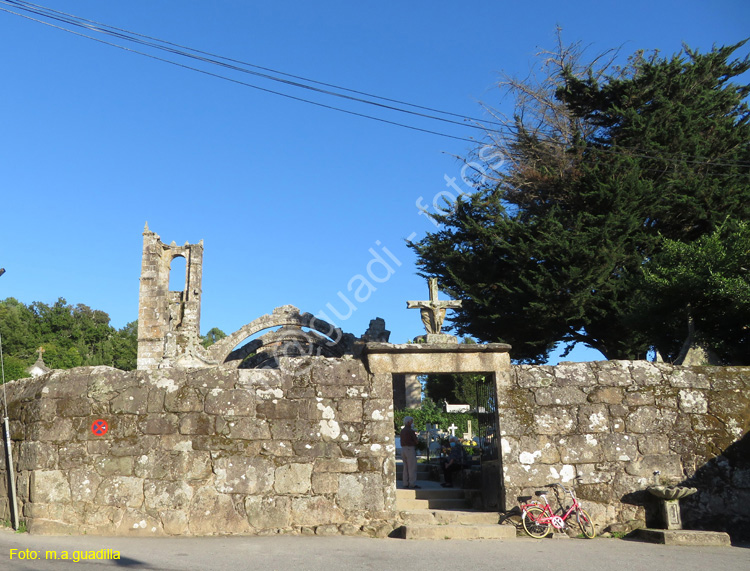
(453, 428)
(433, 311)
(40, 351)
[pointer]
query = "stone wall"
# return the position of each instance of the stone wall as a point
(606, 427)
(307, 448)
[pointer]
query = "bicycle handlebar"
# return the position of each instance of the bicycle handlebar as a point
(564, 489)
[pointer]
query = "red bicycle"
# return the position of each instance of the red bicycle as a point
(539, 519)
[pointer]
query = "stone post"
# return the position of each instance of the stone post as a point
(670, 511)
(413, 391)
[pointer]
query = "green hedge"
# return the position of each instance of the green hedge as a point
(434, 415)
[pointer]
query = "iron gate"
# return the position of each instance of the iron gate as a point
(487, 432)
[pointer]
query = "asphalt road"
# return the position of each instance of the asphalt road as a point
(331, 553)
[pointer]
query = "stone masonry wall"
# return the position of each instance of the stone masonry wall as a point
(308, 448)
(304, 449)
(606, 427)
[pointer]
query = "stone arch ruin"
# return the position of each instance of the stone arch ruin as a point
(320, 339)
(169, 322)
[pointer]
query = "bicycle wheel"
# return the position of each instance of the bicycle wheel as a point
(585, 523)
(532, 525)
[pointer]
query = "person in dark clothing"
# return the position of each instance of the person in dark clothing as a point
(409, 443)
(453, 463)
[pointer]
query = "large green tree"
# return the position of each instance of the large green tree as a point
(602, 165)
(703, 287)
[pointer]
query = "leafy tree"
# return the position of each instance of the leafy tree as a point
(602, 166)
(439, 387)
(56, 357)
(71, 336)
(703, 290)
(125, 347)
(432, 414)
(14, 368)
(214, 334)
(19, 329)
(453, 388)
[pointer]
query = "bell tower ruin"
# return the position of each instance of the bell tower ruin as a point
(169, 321)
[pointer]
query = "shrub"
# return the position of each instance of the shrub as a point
(430, 413)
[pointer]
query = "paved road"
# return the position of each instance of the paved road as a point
(332, 553)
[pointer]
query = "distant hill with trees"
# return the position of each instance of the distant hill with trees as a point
(71, 336)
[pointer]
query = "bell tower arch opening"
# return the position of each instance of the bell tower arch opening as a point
(178, 273)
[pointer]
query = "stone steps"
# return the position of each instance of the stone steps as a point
(458, 531)
(435, 504)
(424, 471)
(433, 512)
(444, 517)
(432, 498)
(442, 513)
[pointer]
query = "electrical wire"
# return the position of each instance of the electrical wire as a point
(171, 47)
(123, 36)
(347, 111)
(20, 3)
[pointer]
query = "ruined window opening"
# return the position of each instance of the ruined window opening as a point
(178, 274)
(305, 332)
(264, 348)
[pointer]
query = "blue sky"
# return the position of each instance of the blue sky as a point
(290, 199)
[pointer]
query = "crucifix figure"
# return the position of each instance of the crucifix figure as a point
(433, 311)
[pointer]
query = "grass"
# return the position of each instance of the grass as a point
(21, 525)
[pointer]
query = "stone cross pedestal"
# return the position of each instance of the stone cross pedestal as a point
(433, 314)
(468, 435)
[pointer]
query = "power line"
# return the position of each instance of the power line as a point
(103, 28)
(171, 47)
(380, 119)
(124, 35)
(318, 104)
